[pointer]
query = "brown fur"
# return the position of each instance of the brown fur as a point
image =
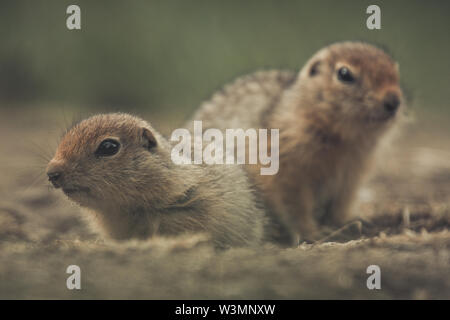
(139, 192)
(328, 130)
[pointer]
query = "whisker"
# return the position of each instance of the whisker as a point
(34, 180)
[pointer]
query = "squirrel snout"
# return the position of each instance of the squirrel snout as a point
(391, 102)
(53, 177)
(55, 173)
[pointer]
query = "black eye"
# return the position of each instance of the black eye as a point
(107, 148)
(345, 75)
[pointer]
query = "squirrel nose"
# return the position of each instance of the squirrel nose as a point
(391, 102)
(53, 177)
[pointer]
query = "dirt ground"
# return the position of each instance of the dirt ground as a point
(405, 205)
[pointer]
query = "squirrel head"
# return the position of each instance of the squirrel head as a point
(111, 160)
(354, 83)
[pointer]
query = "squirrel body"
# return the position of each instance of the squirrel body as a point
(331, 116)
(120, 168)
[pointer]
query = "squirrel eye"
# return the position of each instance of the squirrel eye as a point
(345, 75)
(107, 148)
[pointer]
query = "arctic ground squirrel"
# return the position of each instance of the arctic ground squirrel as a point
(120, 168)
(331, 116)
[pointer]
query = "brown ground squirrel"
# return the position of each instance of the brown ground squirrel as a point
(331, 116)
(120, 168)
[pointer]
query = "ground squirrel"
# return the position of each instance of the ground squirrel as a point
(331, 116)
(120, 168)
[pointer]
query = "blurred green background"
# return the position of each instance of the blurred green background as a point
(168, 56)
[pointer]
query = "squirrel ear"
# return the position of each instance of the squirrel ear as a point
(149, 139)
(314, 69)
